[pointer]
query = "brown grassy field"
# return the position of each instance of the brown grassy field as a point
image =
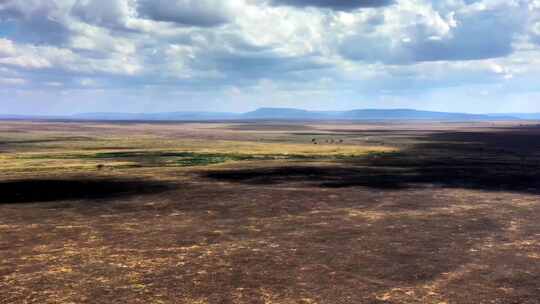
(273, 212)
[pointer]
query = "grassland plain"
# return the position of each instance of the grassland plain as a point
(269, 212)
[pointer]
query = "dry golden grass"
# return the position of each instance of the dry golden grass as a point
(49, 151)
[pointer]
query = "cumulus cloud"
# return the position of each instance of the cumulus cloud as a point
(12, 81)
(335, 4)
(206, 13)
(31, 57)
(534, 21)
(6, 48)
(420, 33)
(108, 13)
(26, 61)
(36, 21)
(193, 46)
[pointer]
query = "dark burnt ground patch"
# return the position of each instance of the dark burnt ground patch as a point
(323, 176)
(251, 244)
(330, 258)
(50, 190)
(494, 161)
(292, 233)
(467, 174)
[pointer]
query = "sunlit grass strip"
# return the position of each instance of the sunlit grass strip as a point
(66, 166)
(147, 152)
(145, 159)
(60, 144)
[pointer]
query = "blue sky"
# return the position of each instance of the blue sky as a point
(70, 56)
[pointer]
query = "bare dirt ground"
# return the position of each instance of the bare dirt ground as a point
(269, 213)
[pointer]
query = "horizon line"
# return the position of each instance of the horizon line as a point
(264, 108)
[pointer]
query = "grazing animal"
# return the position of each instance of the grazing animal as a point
(100, 167)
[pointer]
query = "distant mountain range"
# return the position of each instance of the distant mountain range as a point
(288, 114)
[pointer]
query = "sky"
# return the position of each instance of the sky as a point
(73, 56)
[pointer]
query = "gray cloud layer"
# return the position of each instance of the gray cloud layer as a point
(205, 13)
(243, 47)
(467, 36)
(335, 4)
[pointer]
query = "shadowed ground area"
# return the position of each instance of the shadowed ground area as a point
(448, 215)
(503, 161)
(40, 190)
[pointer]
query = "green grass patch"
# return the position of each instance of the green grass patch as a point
(151, 158)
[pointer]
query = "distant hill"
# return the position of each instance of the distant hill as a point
(289, 114)
(282, 113)
(408, 114)
(367, 114)
(30, 117)
(524, 116)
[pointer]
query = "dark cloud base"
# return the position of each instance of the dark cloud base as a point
(171, 11)
(335, 4)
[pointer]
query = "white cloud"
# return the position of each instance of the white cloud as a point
(335, 5)
(53, 84)
(12, 81)
(417, 31)
(6, 48)
(112, 13)
(190, 12)
(358, 47)
(49, 57)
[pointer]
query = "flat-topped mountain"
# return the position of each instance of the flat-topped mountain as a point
(289, 114)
